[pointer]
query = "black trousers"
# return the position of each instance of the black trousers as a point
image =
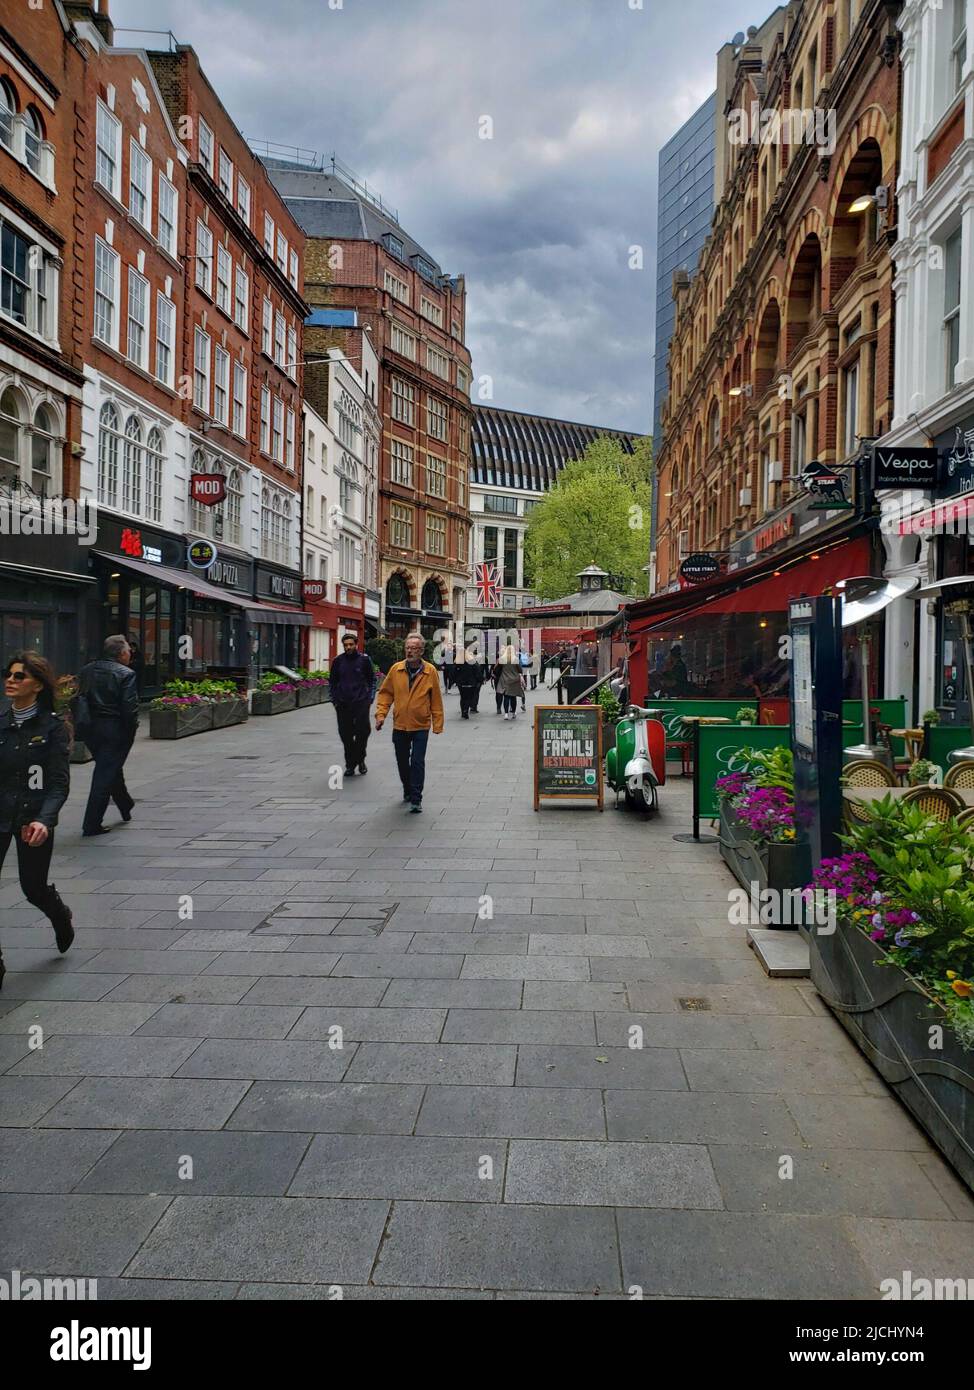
(353, 729)
(469, 698)
(410, 746)
(32, 864)
(111, 745)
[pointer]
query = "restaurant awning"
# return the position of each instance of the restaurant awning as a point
(254, 611)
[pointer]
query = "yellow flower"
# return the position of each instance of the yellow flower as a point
(962, 988)
(951, 974)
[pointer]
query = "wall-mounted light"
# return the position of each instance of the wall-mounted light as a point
(862, 204)
(747, 390)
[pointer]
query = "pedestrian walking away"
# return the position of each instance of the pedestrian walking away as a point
(352, 683)
(412, 691)
(35, 779)
(469, 678)
(510, 681)
(107, 718)
(524, 661)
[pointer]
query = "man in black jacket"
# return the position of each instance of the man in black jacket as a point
(351, 681)
(109, 688)
(469, 678)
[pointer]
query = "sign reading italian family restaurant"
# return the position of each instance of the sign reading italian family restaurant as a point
(568, 752)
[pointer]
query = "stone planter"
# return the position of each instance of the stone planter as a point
(179, 721)
(754, 861)
(227, 712)
(310, 695)
(889, 1015)
(273, 701)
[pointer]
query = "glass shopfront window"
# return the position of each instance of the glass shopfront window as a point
(143, 612)
(22, 632)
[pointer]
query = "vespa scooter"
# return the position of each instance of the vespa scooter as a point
(637, 764)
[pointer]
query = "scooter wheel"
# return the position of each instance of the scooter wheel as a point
(648, 798)
(633, 799)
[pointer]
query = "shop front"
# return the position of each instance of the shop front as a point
(952, 536)
(277, 619)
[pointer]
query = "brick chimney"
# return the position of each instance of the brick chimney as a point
(95, 12)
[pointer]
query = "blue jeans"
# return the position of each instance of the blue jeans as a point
(410, 746)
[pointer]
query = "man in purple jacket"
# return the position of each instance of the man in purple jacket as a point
(351, 681)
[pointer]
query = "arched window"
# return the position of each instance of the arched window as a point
(233, 507)
(33, 136)
(11, 435)
(42, 476)
(132, 467)
(8, 110)
(108, 432)
(713, 426)
(152, 492)
(432, 597)
(397, 592)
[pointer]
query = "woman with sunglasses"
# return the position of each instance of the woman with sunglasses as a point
(34, 783)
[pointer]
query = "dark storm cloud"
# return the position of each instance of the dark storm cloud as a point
(540, 218)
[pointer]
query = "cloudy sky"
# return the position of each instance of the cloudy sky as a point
(541, 217)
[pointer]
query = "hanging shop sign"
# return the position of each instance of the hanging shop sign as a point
(133, 544)
(568, 752)
(908, 468)
(270, 584)
(201, 554)
(959, 462)
(827, 487)
(700, 566)
(314, 590)
(208, 489)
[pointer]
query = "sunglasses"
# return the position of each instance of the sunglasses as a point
(16, 676)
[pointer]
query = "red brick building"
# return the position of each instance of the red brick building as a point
(41, 314)
(361, 260)
(781, 355)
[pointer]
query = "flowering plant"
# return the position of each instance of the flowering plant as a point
(733, 785)
(768, 812)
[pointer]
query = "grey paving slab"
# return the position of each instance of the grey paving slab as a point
(586, 944)
(827, 1182)
(696, 1117)
(371, 1025)
(358, 1292)
(392, 965)
(402, 1167)
(39, 1160)
(267, 1060)
(575, 994)
(696, 1030)
(149, 962)
(264, 1238)
(924, 1249)
(258, 963)
(518, 1026)
(37, 984)
(525, 968)
(762, 997)
(449, 994)
(434, 1063)
(697, 969)
(855, 1122)
(24, 1099)
(717, 1254)
(215, 940)
(13, 1048)
(146, 1103)
(221, 1021)
(219, 1164)
(822, 1073)
(70, 1016)
(316, 1107)
(488, 1246)
(605, 1174)
(106, 1056)
(652, 1069)
(316, 992)
(178, 989)
(110, 1290)
(86, 1235)
(525, 1112)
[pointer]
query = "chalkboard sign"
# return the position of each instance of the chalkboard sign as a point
(567, 752)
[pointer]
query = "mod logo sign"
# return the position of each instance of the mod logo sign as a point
(208, 489)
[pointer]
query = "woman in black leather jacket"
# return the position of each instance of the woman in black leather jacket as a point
(34, 783)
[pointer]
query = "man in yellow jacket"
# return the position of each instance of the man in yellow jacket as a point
(412, 687)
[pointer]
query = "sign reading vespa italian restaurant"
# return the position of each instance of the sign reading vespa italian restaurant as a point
(567, 752)
(908, 468)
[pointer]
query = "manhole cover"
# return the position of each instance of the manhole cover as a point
(694, 1005)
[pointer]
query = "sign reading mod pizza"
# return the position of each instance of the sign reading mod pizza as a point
(568, 752)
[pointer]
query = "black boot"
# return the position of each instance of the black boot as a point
(3, 971)
(60, 914)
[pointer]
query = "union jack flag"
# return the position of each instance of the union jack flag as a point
(489, 584)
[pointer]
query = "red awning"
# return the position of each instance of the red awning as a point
(771, 594)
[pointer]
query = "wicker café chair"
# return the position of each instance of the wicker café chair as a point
(939, 803)
(864, 772)
(961, 775)
(965, 821)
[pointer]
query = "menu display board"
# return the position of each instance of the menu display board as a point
(568, 752)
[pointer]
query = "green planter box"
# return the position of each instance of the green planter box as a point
(888, 1015)
(754, 861)
(180, 721)
(227, 712)
(273, 701)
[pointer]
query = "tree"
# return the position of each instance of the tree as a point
(597, 513)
